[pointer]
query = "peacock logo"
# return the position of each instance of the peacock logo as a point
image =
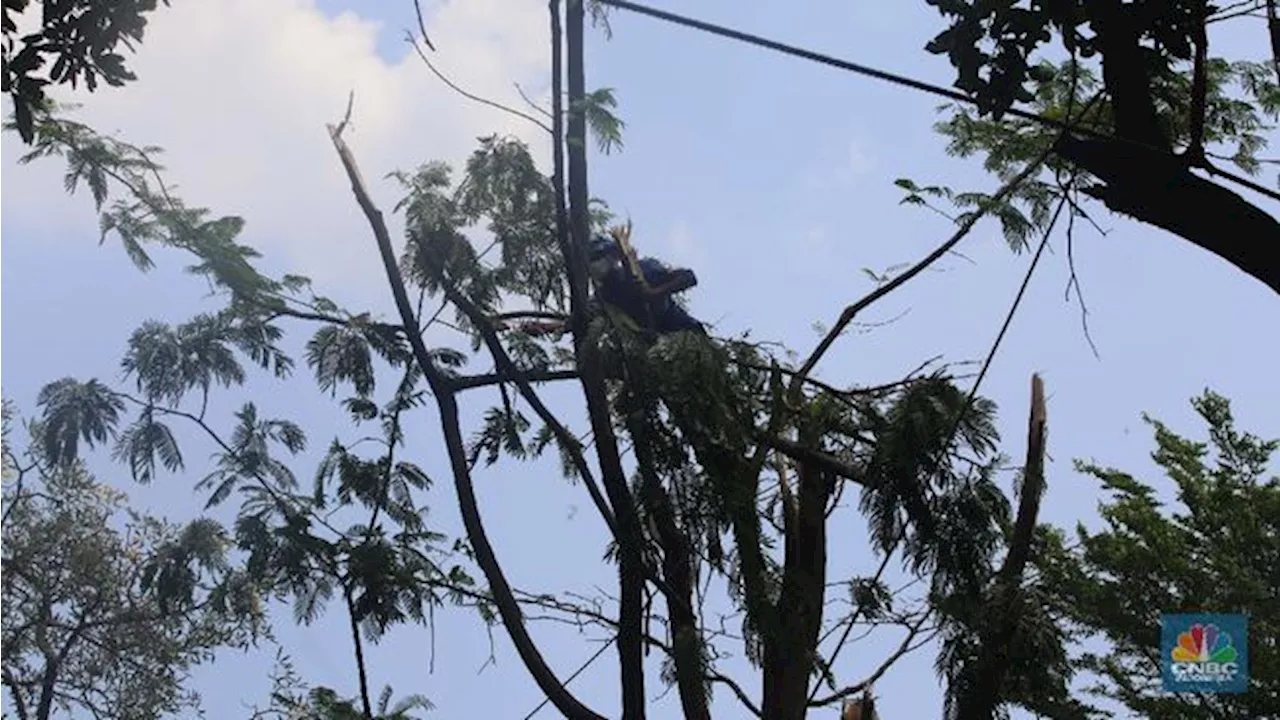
(1204, 652)
(1204, 643)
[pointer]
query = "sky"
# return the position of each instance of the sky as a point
(769, 176)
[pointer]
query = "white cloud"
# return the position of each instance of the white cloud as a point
(238, 93)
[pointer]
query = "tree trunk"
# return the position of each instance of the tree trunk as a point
(631, 575)
(791, 644)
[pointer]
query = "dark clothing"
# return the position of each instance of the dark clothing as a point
(659, 313)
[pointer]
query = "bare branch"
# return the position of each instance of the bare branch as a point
(483, 101)
(852, 621)
(422, 25)
(852, 311)
(575, 674)
(826, 462)
(531, 103)
(471, 382)
(738, 691)
(994, 659)
(906, 646)
(508, 609)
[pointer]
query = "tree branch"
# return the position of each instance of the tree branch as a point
(852, 621)
(1199, 85)
(1145, 180)
(852, 311)
(789, 650)
(422, 28)
(1159, 189)
(994, 656)
(1273, 30)
(630, 535)
(359, 650)
(686, 637)
(447, 403)
(822, 461)
(904, 647)
(470, 382)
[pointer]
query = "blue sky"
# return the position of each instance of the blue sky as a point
(771, 177)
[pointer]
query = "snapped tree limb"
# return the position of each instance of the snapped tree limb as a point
(447, 403)
(994, 655)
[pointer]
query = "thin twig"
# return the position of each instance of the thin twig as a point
(852, 621)
(483, 101)
(852, 311)
(531, 103)
(422, 25)
(905, 647)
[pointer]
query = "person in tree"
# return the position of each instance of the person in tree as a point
(642, 289)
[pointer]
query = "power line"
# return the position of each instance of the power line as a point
(575, 674)
(810, 55)
(889, 77)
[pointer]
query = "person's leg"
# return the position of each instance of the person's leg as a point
(675, 319)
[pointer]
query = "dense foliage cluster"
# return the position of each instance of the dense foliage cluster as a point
(81, 37)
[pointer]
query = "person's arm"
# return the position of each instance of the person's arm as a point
(661, 281)
(534, 328)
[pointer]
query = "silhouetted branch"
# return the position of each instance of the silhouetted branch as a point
(503, 597)
(573, 240)
(852, 311)
(422, 28)
(994, 656)
(359, 650)
(470, 382)
(906, 646)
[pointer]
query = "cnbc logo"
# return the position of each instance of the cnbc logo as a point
(1205, 653)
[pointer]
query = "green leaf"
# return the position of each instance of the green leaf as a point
(75, 411)
(340, 354)
(598, 107)
(142, 443)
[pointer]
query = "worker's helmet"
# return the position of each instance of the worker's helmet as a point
(601, 247)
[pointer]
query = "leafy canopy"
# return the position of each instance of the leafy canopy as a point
(1216, 550)
(704, 420)
(106, 610)
(81, 37)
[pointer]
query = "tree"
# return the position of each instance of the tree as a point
(1217, 550)
(1131, 131)
(740, 457)
(291, 699)
(80, 37)
(106, 610)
